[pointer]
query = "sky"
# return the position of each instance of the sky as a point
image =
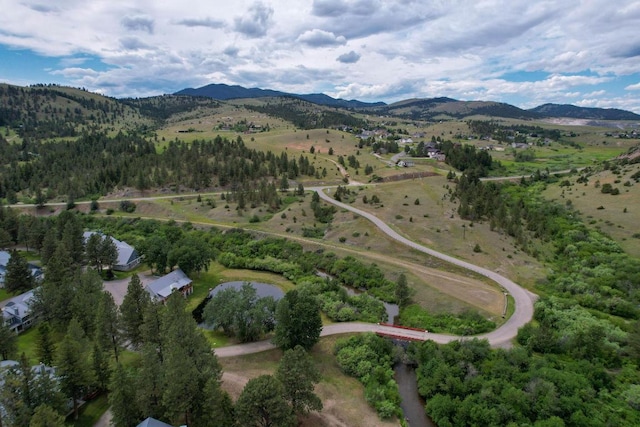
(523, 52)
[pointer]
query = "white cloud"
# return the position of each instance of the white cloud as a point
(319, 38)
(349, 58)
(256, 21)
(391, 48)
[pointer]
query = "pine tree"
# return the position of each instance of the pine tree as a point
(261, 403)
(403, 292)
(45, 347)
(188, 362)
(132, 310)
(8, 341)
(298, 376)
(18, 278)
(73, 367)
(101, 367)
(46, 416)
(108, 324)
(122, 400)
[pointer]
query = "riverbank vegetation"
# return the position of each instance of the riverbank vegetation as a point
(577, 364)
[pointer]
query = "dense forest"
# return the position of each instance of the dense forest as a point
(508, 133)
(307, 116)
(96, 163)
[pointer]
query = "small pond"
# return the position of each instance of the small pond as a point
(263, 289)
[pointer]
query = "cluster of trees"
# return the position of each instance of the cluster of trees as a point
(503, 133)
(41, 112)
(305, 115)
(169, 246)
(160, 108)
(96, 163)
(467, 383)
(321, 211)
(577, 364)
(370, 359)
(276, 400)
(465, 323)
(241, 313)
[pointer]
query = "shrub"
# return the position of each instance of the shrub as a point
(127, 206)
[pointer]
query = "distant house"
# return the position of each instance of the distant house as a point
(152, 422)
(128, 257)
(176, 281)
(5, 256)
(405, 163)
(17, 314)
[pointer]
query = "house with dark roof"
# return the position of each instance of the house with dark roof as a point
(17, 314)
(128, 256)
(176, 281)
(5, 256)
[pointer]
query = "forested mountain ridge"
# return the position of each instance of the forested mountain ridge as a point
(50, 111)
(425, 109)
(571, 111)
(225, 92)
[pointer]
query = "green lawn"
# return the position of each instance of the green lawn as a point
(4, 294)
(90, 412)
(27, 345)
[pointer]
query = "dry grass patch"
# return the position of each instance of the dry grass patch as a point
(342, 396)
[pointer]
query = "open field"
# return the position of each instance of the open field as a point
(437, 289)
(342, 396)
(615, 215)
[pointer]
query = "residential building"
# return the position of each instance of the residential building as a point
(17, 312)
(5, 256)
(176, 281)
(128, 256)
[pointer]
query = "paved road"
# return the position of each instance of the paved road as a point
(523, 299)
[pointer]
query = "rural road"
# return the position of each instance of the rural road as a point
(523, 299)
(500, 337)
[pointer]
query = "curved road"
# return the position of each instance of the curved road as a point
(500, 337)
(523, 299)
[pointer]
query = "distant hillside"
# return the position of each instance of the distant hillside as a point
(51, 111)
(447, 108)
(573, 112)
(224, 92)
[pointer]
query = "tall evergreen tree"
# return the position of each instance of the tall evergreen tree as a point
(132, 310)
(18, 278)
(100, 366)
(189, 362)
(402, 291)
(73, 368)
(45, 347)
(108, 324)
(262, 404)
(8, 341)
(298, 376)
(108, 253)
(122, 400)
(217, 407)
(46, 416)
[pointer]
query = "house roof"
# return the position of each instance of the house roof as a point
(164, 286)
(18, 306)
(4, 258)
(126, 252)
(4, 261)
(152, 422)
